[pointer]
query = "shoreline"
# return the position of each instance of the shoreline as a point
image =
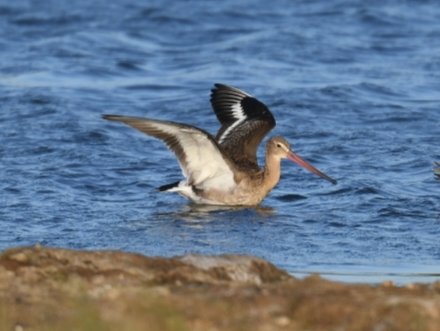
(44, 288)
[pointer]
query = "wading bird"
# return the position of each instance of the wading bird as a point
(223, 169)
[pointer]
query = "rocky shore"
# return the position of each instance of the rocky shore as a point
(58, 289)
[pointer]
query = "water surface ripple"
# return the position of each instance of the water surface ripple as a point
(354, 87)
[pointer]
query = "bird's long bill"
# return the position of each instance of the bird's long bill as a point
(295, 158)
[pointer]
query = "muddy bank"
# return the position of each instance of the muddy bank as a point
(57, 289)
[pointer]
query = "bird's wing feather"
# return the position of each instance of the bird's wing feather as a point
(199, 155)
(245, 121)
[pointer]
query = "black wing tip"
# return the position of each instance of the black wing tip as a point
(217, 88)
(224, 97)
(225, 87)
(220, 86)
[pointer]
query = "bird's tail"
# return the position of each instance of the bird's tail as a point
(168, 186)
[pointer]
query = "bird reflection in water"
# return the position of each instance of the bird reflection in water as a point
(197, 213)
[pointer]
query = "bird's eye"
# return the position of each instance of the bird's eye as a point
(279, 145)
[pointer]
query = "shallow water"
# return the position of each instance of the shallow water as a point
(354, 88)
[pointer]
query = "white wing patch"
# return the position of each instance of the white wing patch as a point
(238, 113)
(204, 166)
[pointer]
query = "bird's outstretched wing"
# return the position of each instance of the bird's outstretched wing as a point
(245, 121)
(202, 160)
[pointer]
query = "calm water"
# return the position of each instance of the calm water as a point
(354, 88)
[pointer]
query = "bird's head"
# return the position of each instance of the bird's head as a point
(280, 147)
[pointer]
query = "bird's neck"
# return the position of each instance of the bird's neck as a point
(272, 171)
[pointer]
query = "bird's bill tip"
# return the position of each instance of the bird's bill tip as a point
(295, 158)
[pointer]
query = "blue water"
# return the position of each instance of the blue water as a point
(354, 87)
